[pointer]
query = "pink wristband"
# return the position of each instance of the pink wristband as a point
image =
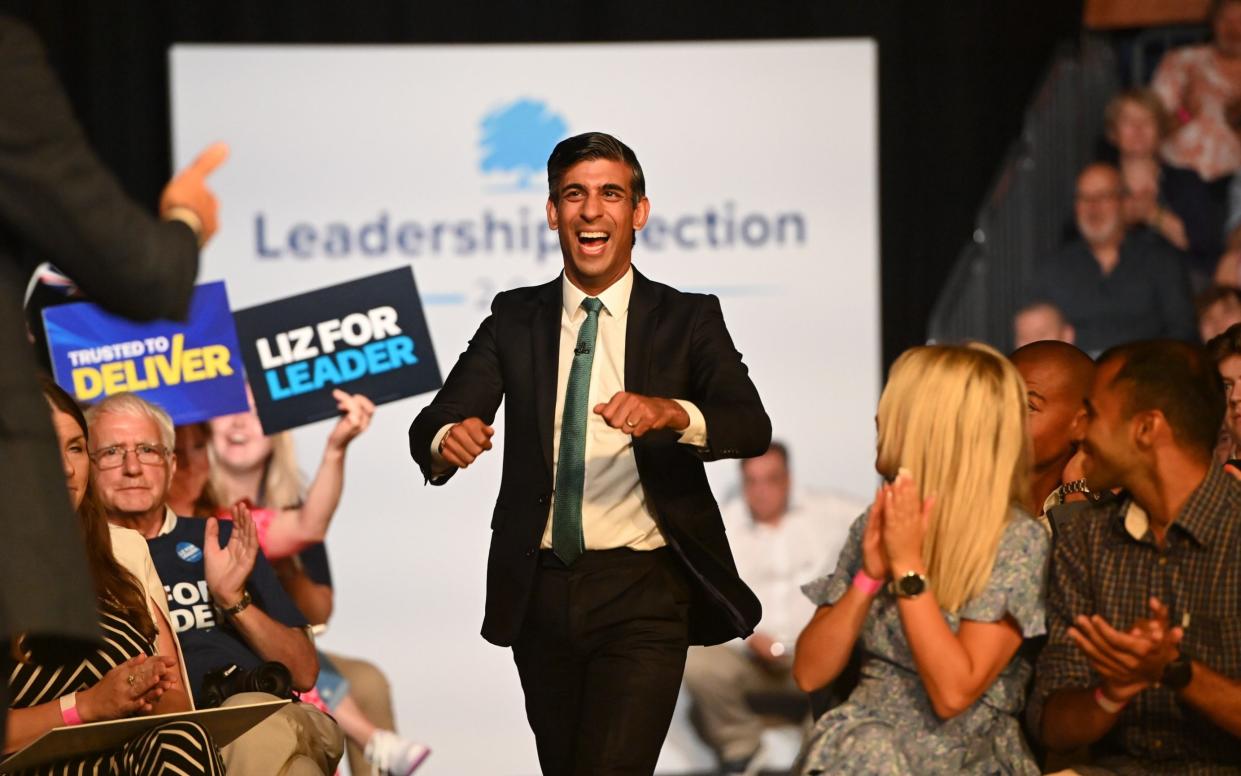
(866, 583)
(69, 709)
(1106, 703)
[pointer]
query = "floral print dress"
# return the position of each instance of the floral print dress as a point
(888, 726)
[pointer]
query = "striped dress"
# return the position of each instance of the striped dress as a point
(173, 748)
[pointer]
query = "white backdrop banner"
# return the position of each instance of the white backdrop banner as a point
(761, 169)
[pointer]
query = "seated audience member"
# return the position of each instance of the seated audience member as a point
(226, 603)
(1040, 321)
(1200, 87)
(353, 691)
(1219, 307)
(1114, 287)
(779, 541)
(941, 581)
(130, 550)
(1057, 377)
(1225, 351)
(1143, 663)
(133, 672)
(1172, 202)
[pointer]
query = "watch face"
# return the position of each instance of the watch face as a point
(1177, 674)
(910, 585)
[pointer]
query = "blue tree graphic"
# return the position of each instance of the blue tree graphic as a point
(518, 137)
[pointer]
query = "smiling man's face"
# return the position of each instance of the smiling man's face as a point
(596, 216)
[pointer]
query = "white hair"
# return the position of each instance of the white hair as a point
(134, 405)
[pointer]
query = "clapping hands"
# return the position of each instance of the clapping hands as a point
(1128, 662)
(227, 568)
(896, 528)
(133, 687)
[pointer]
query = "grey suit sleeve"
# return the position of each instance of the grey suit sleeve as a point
(58, 198)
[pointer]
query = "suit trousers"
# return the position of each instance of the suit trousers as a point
(600, 656)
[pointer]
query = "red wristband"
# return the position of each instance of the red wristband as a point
(866, 583)
(69, 709)
(1106, 703)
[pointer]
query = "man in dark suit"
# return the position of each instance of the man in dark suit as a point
(608, 555)
(59, 204)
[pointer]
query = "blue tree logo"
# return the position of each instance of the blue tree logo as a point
(517, 138)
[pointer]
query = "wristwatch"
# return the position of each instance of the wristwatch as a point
(238, 607)
(911, 584)
(1177, 674)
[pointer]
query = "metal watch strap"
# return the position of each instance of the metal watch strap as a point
(239, 607)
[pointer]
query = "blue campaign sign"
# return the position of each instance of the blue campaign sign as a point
(366, 336)
(191, 368)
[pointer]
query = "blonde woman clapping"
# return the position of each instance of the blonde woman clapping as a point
(939, 584)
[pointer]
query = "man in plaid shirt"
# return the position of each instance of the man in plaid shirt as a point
(1143, 660)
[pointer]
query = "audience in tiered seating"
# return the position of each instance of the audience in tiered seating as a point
(1112, 285)
(228, 608)
(1170, 202)
(135, 671)
(1201, 88)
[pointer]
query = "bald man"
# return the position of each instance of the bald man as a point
(1114, 286)
(1058, 377)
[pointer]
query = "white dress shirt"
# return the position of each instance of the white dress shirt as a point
(775, 561)
(614, 511)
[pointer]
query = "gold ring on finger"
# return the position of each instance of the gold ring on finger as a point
(630, 423)
(131, 679)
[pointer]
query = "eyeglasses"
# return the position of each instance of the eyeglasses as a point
(114, 456)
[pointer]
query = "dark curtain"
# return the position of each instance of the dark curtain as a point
(955, 76)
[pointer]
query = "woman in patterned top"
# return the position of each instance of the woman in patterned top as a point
(130, 674)
(938, 583)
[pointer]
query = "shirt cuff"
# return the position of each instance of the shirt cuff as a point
(439, 466)
(696, 432)
(187, 217)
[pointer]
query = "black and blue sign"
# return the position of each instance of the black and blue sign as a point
(367, 336)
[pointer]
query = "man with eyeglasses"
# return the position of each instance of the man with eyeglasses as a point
(227, 606)
(1113, 285)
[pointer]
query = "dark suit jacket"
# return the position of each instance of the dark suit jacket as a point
(59, 204)
(676, 346)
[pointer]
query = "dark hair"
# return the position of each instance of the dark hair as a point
(587, 147)
(775, 447)
(1213, 296)
(116, 588)
(1226, 344)
(1179, 380)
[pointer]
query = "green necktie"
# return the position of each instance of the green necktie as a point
(567, 540)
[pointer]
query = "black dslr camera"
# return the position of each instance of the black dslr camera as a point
(271, 677)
